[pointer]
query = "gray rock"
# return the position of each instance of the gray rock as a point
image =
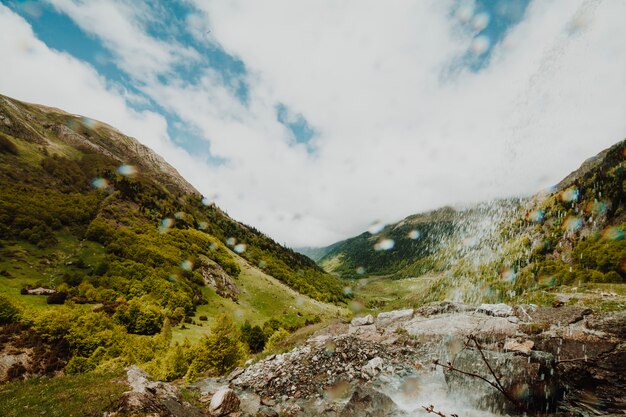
(373, 367)
(497, 310)
(224, 402)
(362, 321)
(393, 318)
(529, 380)
(612, 323)
(367, 402)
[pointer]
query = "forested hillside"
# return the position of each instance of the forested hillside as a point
(120, 245)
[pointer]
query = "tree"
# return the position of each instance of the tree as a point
(256, 339)
(220, 351)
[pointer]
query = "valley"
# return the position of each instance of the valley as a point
(116, 272)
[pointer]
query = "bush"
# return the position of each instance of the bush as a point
(7, 146)
(273, 342)
(8, 312)
(57, 298)
(219, 352)
(139, 319)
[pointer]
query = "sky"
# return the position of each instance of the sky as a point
(313, 119)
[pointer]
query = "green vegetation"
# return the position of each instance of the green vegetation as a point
(72, 395)
(129, 250)
(414, 239)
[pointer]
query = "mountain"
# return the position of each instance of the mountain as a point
(571, 234)
(98, 231)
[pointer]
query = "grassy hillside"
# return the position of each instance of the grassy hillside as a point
(131, 254)
(392, 248)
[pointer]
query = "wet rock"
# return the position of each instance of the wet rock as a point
(460, 325)
(265, 411)
(224, 402)
(362, 321)
(512, 345)
(561, 316)
(497, 310)
(249, 402)
(529, 381)
(362, 329)
(435, 308)
(393, 318)
(523, 311)
(612, 323)
(367, 402)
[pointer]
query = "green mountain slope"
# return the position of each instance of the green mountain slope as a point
(568, 236)
(102, 224)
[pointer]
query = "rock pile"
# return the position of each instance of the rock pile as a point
(322, 363)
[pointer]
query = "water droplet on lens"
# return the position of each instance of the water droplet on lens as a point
(384, 244)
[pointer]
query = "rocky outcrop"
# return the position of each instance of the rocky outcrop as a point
(153, 397)
(392, 319)
(367, 402)
(224, 402)
(528, 380)
(215, 277)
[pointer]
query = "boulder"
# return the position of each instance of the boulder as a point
(612, 323)
(149, 396)
(561, 316)
(367, 402)
(362, 321)
(528, 380)
(393, 318)
(442, 307)
(497, 310)
(224, 402)
(373, 367)
(512, 345)
(215, 277)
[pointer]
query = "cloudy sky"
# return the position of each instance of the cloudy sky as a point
(312, 119)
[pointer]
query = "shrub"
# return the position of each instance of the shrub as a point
(57, 298)
(275, 340)
(7, 146)
(8, 312)
(220, 352)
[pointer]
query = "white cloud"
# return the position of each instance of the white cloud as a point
(39, 74)
(121, 26)
(396, 134)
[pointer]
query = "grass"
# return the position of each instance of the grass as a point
(27, 264)
(379, 293)
(72, 395)
(262, 297)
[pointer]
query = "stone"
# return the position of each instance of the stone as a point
(512, 345)
(155, 397)
(362, 321)
(612, 323)
(374, 366)
(533, 375)
(497, 310)
(384, 320)
(216, 277)
(561, 316)
(362, 329)
(367, 402)
(224, 401)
